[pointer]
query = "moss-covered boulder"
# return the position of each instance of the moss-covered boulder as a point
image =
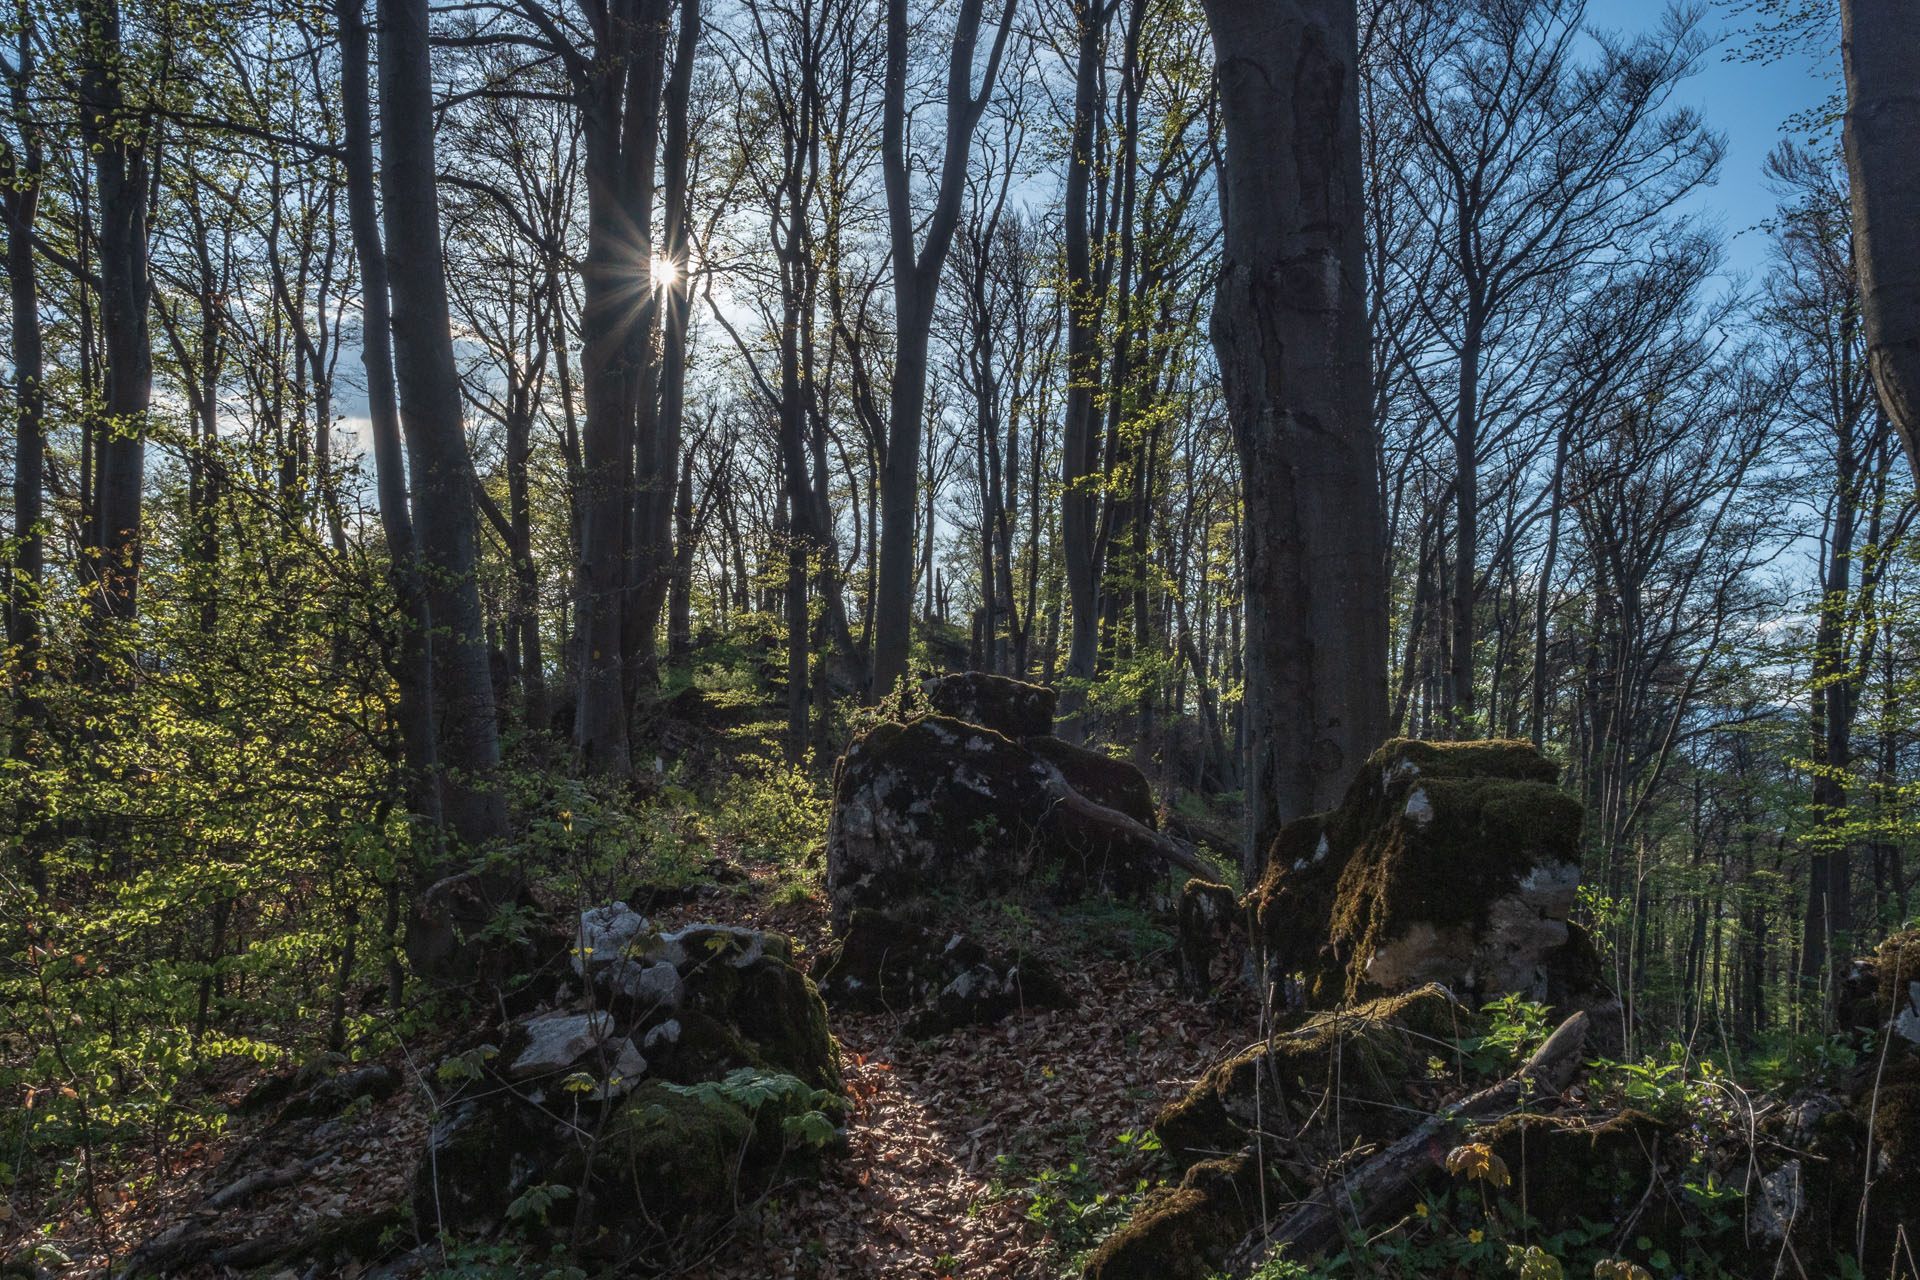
(1001, 703)
(1106, 780)
(1566, 1168)
(640, 1099)
(1446, 862)
(936, 980)
(1184, 1232)
(1366, 1057)
(1882, 991)
(482, 1153)
(938, 805)
(771, 1012)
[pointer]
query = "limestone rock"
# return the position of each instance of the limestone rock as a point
(1374, 1050)
(1455, 863)
(938, 805)
(556, 1043)
(1001, 703)
(1115, 784)
(1212, 937)
(606, 933)
(936, 980)
(647, 987)
(688, 1008)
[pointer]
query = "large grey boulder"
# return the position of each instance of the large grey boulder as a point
(938, 805)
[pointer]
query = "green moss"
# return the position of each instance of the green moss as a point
(1369, 1053)
(1484, 836)
(1897, 965)
(1339, 886)
(1188, 1230)
(1101, 778)
(765, 1014)
(1568, 1170)
(673, 1158)
(1169, 1238)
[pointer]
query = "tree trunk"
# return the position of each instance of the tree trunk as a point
(116, 138)
(413, 670)
(21, 177)
(1466, 494)
(1076, 440)
(916, 278)
(1290, 329)
(1883, 162)
(621, 96)
(439, 468)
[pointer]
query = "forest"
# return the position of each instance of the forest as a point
(1140, 639)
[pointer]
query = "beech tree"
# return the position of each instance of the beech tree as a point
(1880, 49)
(439, 470)
(917, 263)
(1290, 327)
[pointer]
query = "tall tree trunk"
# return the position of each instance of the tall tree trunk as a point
(1290, 329)
(916, 278)
(1076, 441)
(413, 669)
(20, 172)
(1466, 496)
(439, 468)
(671, 483)
(116, 137)
(1880, 48)
(621, 92)
(680, 597)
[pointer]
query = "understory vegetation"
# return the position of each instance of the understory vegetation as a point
(478, 464)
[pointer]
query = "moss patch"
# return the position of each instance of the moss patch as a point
(1429, 835)
(766, 1012)
(1367, 1055)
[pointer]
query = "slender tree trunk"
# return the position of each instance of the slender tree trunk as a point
(413, 667)
(916, 277)
(620, 93)
(116, 137)
(440, 470)
(669, 484)
(1466, 533)
(1290, 329)
(680, 597)
(21, 175)
(1076, 441)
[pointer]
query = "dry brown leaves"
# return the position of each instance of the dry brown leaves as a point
(919, 1193)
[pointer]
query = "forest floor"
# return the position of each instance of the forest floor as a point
(999, 1151)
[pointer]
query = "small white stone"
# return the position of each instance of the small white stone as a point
(664, 1035)
(557, 1043)
(628, 1067)
(1419, 808)
(1321, 850)
(605, 934)
(655, 985)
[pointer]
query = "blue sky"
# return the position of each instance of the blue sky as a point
(1745, 101)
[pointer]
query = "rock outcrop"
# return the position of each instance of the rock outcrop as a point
(693, 1070)
(940, 805)
(935, 981)
(1454, 863)
(1005, 705)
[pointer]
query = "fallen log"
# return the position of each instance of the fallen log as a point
(1384, 1188)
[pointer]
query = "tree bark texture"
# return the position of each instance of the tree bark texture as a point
(1880, 48)
(1290, 330)
(431, 416)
